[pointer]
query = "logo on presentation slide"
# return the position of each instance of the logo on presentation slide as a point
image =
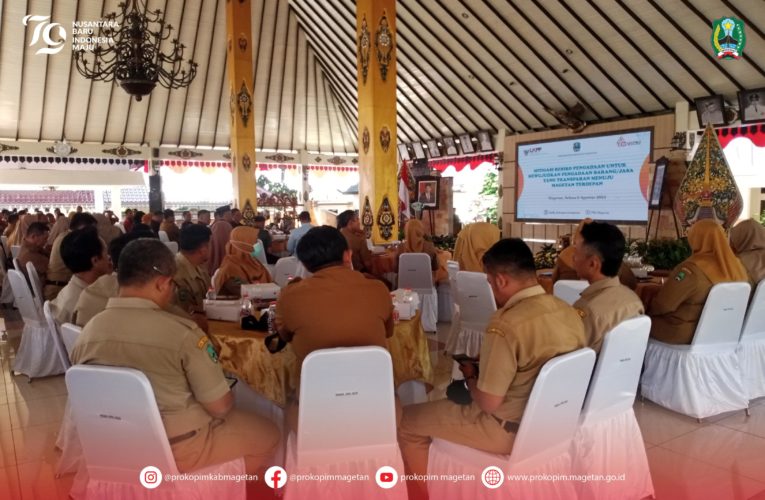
(531, 151)
(276, 477)
(150, 477)
(46, 30)
(577, 147)
(492, 477)
(624, 143)
(386, 477)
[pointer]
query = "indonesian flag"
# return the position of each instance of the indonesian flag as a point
(403, 193)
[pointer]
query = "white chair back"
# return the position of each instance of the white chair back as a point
(754, 324)
(69, 335)
(172, 245)
(35, 284)
(56, 334)
(552, 413)
(301, 271)
(615, 380)
(17, 265)
(347, 409)
(286, 267)
(452, 268)
(163, 237)
(414, 272)
(4, 241)
(24, 299)
(569, 290)
(723, 315)
(114, 409)
(261, 253)
(476, 300)
(15, 249)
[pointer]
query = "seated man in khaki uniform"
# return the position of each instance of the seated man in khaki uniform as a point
(33, 249)
(58, 274)
(168, 225)
(85, 255)
(191, 279)
(529, 328)
(192, 394)
(606, 302)
(336, 307)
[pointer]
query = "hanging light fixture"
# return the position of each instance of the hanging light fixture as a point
(132, 54)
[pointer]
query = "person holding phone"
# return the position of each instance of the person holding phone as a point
(529, 328)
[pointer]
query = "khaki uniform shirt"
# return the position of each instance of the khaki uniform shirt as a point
(37, 257)
(57, 270)
(529, 330)
(336, 307)
(94, 298)
(175, 355)
(676, 309)
(192, 283)
(173, 233)
(65, 302)
(361, 257)
(603, 305)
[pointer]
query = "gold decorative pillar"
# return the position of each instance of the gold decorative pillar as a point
(376, 77)
(240, 72)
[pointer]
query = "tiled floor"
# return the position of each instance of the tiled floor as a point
(721, 458)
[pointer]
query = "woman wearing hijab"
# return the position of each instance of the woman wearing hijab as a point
(240, 266)
(472, 242)
(18, 235)
(415, 242)
(13, 222)
(676, 310)
(106, 230)
(60, 227)
(748, 241)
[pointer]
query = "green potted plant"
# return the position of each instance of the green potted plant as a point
(545, 257)
(665, 254)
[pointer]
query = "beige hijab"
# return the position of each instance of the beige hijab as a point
(472, 242)
(712, 253)
(60, 227)
(414, 237)
(106, 230)
(748, 241)
(17, 237)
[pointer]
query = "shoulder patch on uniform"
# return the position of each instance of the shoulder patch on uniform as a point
(580, 312)
(495, 331)
(682, 274)
(204, 344)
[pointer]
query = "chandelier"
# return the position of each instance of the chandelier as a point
(131, 52)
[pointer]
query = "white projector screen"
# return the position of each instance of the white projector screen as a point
(603, 177)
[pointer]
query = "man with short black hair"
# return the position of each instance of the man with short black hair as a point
(168, 225)
(349, 224)
(85, 255)
(186, 219)
(58, 273)
(236, 217)
(191, 279)
(529, 328)
(304, 311)
(33, 249)
(203, 217)
(192, 394)
(265, 237)
(598, 255)
(296, 234)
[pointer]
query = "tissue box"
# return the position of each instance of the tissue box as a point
(261, 291)
(405, 310)
(223, 310)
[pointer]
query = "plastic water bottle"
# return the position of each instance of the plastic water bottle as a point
(211, 295)
(272, 318)
(246, 307)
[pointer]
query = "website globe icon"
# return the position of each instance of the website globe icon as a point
(492, 477)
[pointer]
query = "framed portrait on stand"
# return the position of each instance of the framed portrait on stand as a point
(427, 192)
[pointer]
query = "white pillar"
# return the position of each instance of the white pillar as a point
(116, 202)
(98, 199)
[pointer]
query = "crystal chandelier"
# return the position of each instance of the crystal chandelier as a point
(132, 54)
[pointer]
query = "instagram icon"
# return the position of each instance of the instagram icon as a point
(150, 477)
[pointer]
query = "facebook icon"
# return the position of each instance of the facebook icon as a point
(276, 477)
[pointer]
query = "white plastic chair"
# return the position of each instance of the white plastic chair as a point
(608, 440)
(69, 334)
(17, 265)
(55, 332)
(163, 237)
(414, 272)
(4, 241)
(35, 284)
(671, 371)
(542, 445)
(301, 271)
(286, 268)
(15, 249)
(569, 290)
(346, 423)
(172, 245)
(751, 346)
(35, 356)
(135, 428)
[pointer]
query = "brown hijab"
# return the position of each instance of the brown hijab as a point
(712, 253)
(18, 235)
(414, 237)
(238, 263)
(106, 230)
(472, 242)
(748, 241)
